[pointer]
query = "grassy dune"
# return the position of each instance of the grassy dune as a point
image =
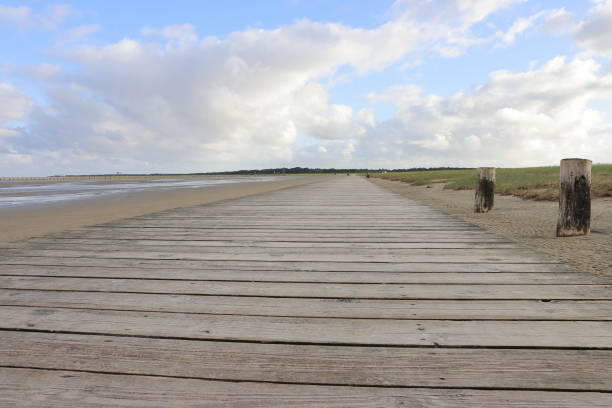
(538, 183)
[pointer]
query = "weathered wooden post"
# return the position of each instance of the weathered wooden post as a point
(485, 189)
(574, 198)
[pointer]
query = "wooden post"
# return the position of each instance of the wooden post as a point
(485, 189)
(574, 198)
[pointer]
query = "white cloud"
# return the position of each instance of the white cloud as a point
(521, 25)
(53, 16)
(447, 24)
(79, 32)
(14, 105)
(50, 18)
(558, 22)
(181, 32)
(455, 11)
(172, 100)
(366, 117)
(595, 32)
(211, 103)
(317, 118)
(18, 15)
(525, 118)
(439, 141)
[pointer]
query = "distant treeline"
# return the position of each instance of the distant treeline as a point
(278, 170)
(316, 170)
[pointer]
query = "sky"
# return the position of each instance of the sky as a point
(90, 87)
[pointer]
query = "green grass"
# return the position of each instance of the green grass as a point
(537, 183)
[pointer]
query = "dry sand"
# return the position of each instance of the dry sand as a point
(531, 223)
(21, 222)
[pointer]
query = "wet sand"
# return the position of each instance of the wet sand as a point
(21, 222)
(531, 223)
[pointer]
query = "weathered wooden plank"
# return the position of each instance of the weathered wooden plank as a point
(281, 254)
(482, 333)
(220, 274)
(332, 308)
(283, 227)
(161, 244)
(205, 231)
(322, 290)
(272, 251)
(289, 265)
(100, 231)
(308, 217)
(289, 213)
(284, 236)
(68, 389)
(345, 222)
(586, 370)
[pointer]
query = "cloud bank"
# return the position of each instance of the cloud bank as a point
(170, 100)
(516, 118)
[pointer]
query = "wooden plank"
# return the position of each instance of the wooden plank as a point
(319, 290)
(347, 222)
(244, 247)
(220, 274)
(339, 235)
(287, 237)
(374, 267)
(160, 244)
(431, 333)
(290, 214)
(345, 252)
(283, 227)
(72, 389)
(586, 370)
(331, 308)
(414, 255)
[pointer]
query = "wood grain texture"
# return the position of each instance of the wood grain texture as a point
(60, 389)
(304, 307)
(373, 366)
(485, 333)
(346, 266)
(321, 290)
(254, 275)
(331, 294)
(299, 255)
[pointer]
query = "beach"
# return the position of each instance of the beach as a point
(44, 216)
(530, 223)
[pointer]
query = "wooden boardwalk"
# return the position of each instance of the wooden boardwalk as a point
(333, 294)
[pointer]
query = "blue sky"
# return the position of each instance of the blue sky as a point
(105, 86)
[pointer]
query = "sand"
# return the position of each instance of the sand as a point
(530, 223)
(22, 222)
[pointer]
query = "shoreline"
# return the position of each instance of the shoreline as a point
(527, 222)
(28, 221)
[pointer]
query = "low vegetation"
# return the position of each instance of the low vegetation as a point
(537, 183)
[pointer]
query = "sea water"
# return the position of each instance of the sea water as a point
(38, 193)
